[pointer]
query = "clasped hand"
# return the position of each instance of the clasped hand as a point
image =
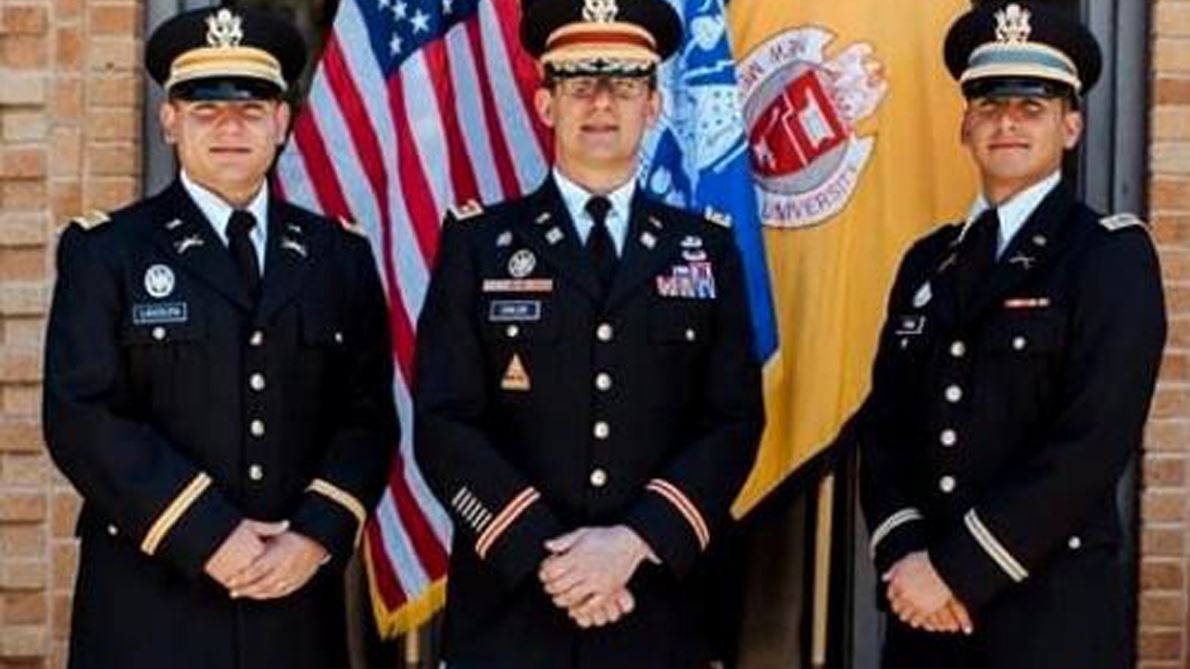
(922, 600)
(260, 560)
(588, 570)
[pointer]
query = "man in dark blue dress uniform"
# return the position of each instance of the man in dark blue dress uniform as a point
(218, 383)
(588, 401)
(1012, 381)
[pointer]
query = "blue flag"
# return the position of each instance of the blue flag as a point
(697, 155)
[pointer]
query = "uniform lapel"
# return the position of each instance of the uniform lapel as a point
(648, 245)
(293, 247)
(550, 233)
(1032, 246)
(183, 233)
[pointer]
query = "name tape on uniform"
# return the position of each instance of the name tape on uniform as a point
(514, 311)
(160, 313)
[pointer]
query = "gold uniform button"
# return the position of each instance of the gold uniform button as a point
(256, 339)
(256, 472)
(947, 484)
(949, 437)
(602, 429)
(605, 332)
(954, 394)
(159, 333)
(958, 349)
(257, 428)
(598, 478)
(512, 331)
(257, 382)
(603, 381)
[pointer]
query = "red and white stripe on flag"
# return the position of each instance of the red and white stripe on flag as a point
(415, 106)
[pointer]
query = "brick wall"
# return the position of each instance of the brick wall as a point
(1165, 505)
(70, 117)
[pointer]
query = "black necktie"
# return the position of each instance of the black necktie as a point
(977, 254)
(243, 252)
(599, 243)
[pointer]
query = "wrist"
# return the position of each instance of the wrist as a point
(639, 548)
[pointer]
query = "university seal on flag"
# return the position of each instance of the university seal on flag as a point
(802, 111)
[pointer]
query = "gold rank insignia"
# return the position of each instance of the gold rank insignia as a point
(469, 209)
(1122, 221)
(515, 377)
(92, 220)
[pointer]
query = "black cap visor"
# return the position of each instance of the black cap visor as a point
(227, 89)
(1016, 87)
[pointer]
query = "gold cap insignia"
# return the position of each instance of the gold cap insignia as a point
(224, 30)
(600, 11)
(1012, 25)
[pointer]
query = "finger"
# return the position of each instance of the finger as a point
(941, 621)
(267, 571)
(560, 584)
(270, 588)
(563, 543)
(596, 609)
(581, 619)
(573, 597)
(612, 611)
(962, 617)
(555, 568)
(563, 585)
(254, 573)
(625, 601)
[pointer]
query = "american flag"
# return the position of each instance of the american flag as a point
(416, 105)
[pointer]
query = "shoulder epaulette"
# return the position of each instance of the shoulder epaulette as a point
(92, 220)
(1121, 221)
(466, 210)
(717, 218)
(352, 227)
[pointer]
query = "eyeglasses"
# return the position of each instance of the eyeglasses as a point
(586, 88)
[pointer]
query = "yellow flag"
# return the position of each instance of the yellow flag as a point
(853, 124)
